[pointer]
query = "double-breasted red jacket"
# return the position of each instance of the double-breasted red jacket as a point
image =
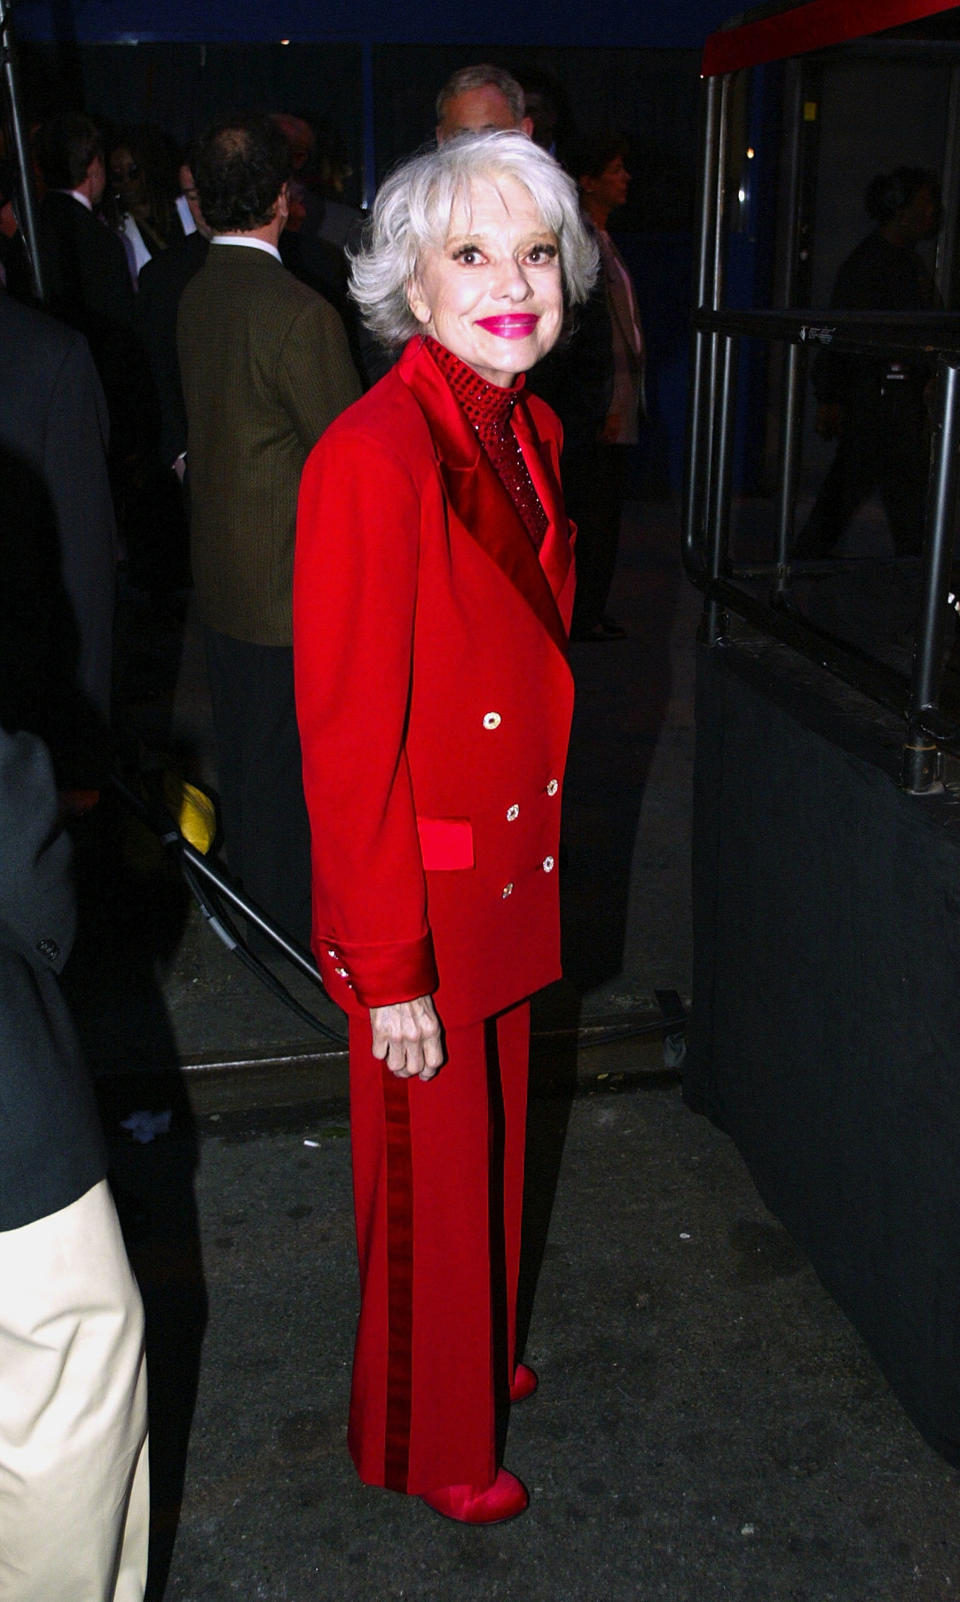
(434, 699)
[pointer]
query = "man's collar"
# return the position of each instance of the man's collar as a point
(245, 239)
(77, 194)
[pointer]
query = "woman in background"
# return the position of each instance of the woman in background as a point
(599, 166)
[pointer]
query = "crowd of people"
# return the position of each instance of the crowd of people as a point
(120, 284)
(382, 565)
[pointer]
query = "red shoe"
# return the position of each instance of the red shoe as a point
(524, 1384)
(504, 1499)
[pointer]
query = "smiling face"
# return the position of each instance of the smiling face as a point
(492, 293)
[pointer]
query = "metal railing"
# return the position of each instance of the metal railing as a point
(717, 335)
(707, 507)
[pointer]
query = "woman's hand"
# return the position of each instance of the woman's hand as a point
(407, 1037)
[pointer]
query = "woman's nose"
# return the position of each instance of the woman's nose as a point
(512, 282)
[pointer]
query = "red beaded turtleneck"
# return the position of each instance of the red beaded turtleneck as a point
(489, 410)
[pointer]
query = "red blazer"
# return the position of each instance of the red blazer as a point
(434, 699)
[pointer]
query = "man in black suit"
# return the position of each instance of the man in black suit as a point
(86, 278)
(162, 281)
(74, 1503)
(15, 276)
(59, 532)
(87, 283)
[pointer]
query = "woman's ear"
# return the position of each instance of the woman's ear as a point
(417, 303)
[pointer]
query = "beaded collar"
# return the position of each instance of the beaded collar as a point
(486, 406)
(489, 408)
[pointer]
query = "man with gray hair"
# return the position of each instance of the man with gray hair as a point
(480, 99)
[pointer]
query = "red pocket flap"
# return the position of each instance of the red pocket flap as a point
(446, 842)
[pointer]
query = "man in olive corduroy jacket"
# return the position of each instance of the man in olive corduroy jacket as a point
(265, 368)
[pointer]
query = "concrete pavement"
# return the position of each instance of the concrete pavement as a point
(708, 1427)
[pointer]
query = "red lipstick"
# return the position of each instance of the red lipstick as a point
(516, 325)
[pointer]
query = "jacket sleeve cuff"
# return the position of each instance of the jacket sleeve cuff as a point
(379, 975)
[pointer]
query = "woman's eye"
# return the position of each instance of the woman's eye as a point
(541, 253)
(469, 255)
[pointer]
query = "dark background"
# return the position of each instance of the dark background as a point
(373, 69)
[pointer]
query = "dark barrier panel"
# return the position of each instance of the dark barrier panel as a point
(826, 1030)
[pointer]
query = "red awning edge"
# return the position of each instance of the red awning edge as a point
(810, 27)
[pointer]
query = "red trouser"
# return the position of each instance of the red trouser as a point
(438, 1192)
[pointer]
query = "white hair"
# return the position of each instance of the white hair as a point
(412, 213)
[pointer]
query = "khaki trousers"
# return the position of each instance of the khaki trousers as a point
(74, 1493)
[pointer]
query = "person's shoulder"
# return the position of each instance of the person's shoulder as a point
(384, 424)
(58, 203)
(194, 248)
(194, 289)
(388, 408)
(65, 218)
(260, 277)
(47, 337)
(303, 299)
(227, 260)
(226, 272)
(868, 254)
(178, 262)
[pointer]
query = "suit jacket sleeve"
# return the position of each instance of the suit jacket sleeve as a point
(157, 301)
(316, 378)
(36, 898)
(75, 463)
(51, 1146)
(355, 596)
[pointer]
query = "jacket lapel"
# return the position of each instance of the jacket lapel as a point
(555, 553)
(479, 501)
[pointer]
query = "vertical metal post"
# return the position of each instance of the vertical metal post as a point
(706, 287)
(945, 265)
(699, 400)
(788, 465)
(26, 207)
(719, 418)
(920, 755)
(369, 186)
(722, 162)
(714, 622)
(793, 115)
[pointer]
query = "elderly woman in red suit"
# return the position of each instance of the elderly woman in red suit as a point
(432, 597)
